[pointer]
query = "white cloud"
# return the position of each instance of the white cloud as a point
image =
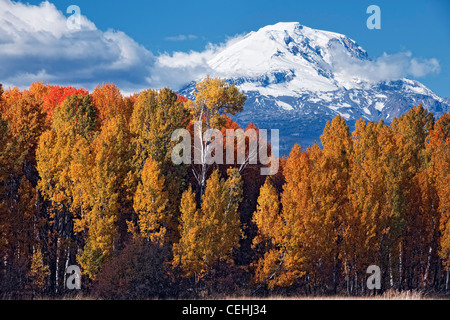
(37, 43)
(181, 37)
(180, 68)
(384, 68)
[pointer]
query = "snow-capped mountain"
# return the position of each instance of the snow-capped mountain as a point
(297, 78)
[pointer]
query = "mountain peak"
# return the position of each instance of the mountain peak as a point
(282, 26)
(321, 36)
(288, 52)
(296, 78)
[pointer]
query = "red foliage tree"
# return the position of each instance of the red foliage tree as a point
(56, 95)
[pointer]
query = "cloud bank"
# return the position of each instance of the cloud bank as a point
(38, 44)
(384, 68)
(179, 68)
(181, 37)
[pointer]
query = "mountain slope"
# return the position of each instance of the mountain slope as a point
(297, 78)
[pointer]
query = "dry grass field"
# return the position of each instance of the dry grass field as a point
(388, 295)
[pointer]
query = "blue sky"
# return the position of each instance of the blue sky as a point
(164, 27)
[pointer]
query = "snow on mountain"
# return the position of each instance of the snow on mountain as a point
(297, 78)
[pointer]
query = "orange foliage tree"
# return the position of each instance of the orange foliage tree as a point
(55, 96)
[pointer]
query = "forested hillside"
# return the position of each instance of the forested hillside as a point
(87, 179)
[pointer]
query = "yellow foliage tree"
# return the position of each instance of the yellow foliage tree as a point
(110, 103)
(156, 114)
(24, 112)
(187, 252)
(107, 193)
(270, 234)
(214, 100)
(409, 207)
(39, 271)
(74, 121)
(150, 204)
(209, 235)
(369, 217)
(439, 143)
(267, 215)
